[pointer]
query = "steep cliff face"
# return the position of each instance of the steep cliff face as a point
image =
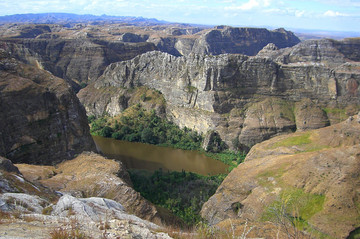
(41, 120)
(80, 53)
(316, 169)
(79, 60)
(224, 39)
(243, 97)
(247, 41)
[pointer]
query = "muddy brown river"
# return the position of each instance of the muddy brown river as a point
(151, 157)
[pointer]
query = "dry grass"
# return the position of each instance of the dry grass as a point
(62, 233)
(71, 231)
(4, 216)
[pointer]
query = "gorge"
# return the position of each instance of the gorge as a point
(293, 106)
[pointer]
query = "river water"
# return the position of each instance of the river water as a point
(151, 157)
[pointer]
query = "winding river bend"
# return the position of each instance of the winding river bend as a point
(151, 157)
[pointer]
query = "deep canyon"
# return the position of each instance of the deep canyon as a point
(292, 105)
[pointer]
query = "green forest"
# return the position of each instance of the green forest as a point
(183, 193)
(139, 125)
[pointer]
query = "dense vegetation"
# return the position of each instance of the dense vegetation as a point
(139, 125)
(183, 193)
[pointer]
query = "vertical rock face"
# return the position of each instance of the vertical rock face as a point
(41, 119)
(79, 60)
(202, 92)
(248, 41)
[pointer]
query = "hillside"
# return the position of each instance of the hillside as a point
(309, 178)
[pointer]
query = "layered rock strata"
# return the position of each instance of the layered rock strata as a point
(41, 119)
(252, 98)
(80, 53)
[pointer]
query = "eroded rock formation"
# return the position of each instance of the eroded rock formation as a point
(41, 119)
(91, 175)
(248, 98)
(30, 210)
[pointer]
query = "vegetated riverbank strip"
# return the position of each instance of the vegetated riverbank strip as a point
(139, 125)
(183, 193)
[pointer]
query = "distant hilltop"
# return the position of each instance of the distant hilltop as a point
(56, 18)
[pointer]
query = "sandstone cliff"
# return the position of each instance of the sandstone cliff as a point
(314, 173)
(246, 99)
(247, 41)
(41, 120)
(223, 39)
(81, 53)
(79, 60)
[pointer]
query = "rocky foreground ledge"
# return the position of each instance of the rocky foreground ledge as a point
(40, 202)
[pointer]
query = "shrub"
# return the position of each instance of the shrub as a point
(106, 131)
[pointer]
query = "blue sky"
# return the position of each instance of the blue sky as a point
(335, 15)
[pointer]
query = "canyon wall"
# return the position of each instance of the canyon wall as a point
(247, 99)
(41, 120)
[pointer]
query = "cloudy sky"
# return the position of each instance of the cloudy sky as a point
(336, 15)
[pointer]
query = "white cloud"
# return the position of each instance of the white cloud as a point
(299, 13)
(343, 3)
(331, 13)
(250, 5)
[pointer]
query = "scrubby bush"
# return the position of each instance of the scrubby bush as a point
(147, 127)
(183, 193)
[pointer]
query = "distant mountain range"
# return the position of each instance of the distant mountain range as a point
(63, 18)
(70, 19)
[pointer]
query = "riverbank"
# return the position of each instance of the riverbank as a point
(139, 125)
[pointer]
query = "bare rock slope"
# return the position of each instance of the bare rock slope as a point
(41, 119)
(91, 175)
(30, 210)
(314, 174)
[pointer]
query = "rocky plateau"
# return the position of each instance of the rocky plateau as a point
(79, 53)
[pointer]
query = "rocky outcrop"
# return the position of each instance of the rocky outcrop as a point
(131, 37)
(79, 60)
(224, 39)
(112, 101)
(91, 175)
(41, 120)
(80, 54)
(7, 166)
(205, 92)
(86, 217)
(316, 169)
(30, 210)
(247, 41)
